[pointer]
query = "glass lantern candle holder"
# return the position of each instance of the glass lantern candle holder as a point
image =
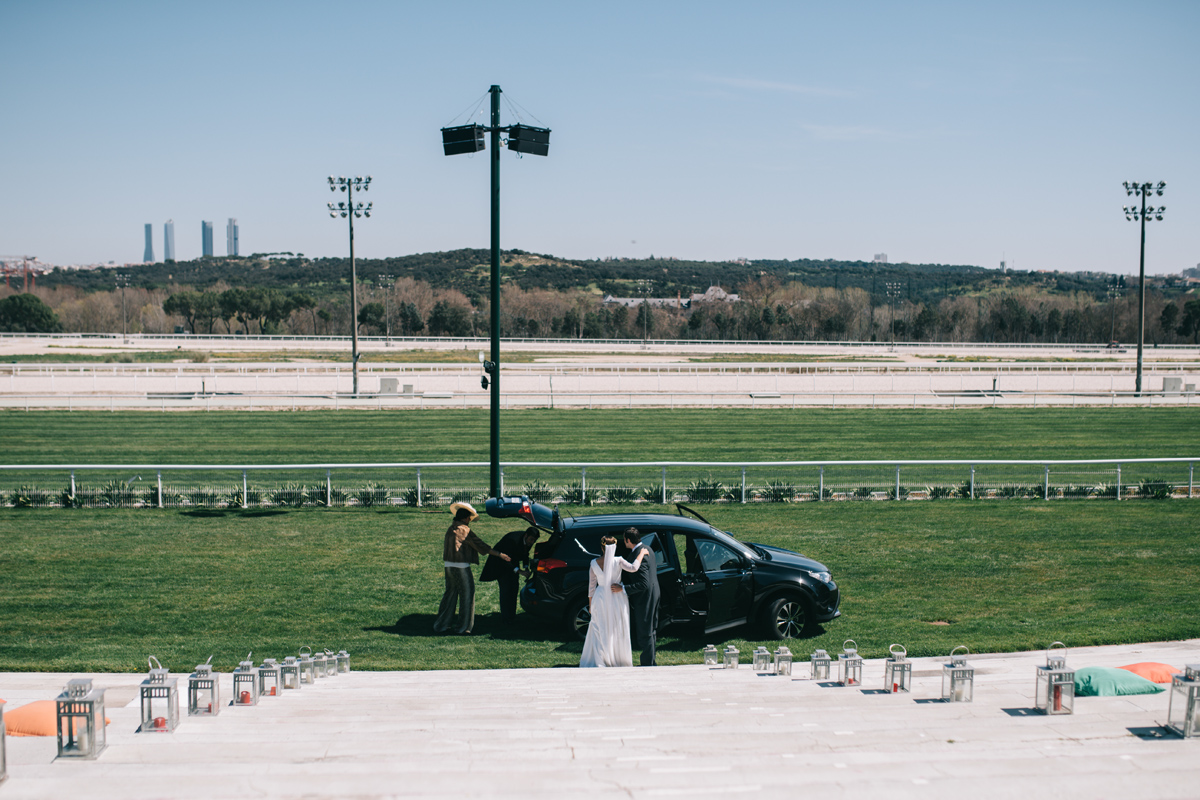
(204, 691)
(80, 719)
(308, 667)
(343, 662)
(289, 673)
(762, 659)
(1055, 690)
(331, 669)
(1183, 712)
(730, 659)
(3, 755)
(819, 662)
(897, 670)
(160, 700)
(783, 662)
(268, 678)
(245, 684)
(958, 677)
(712, 658)
(850, 664)
(318, 659)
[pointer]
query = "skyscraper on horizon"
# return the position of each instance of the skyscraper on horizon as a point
(231, 237)
(206, 242)
(169, 240)
(148, 256)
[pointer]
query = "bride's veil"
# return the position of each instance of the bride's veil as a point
(612, 573)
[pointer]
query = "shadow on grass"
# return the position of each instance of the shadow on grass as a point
(203, 513)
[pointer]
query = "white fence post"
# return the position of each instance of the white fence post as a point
(1118, 481)
(583, 485)
(664, 486)
(743, 486)
(821, 485)
(245, 497)
(972, 482)
(1191, 470)
(897, 481)
(418, 487)
(160, 499)
(328, 489)
(1046, 485)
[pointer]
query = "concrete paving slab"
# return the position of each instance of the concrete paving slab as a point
(662, 732)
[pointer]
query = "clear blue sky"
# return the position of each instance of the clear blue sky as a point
(935, 132)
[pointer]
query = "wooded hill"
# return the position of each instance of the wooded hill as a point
(468, 272)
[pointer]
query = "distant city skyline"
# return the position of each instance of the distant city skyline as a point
(934, 132)
(231, 237)
(206, 238)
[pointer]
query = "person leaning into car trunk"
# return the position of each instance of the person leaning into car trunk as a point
(460, 550)
(507, 576)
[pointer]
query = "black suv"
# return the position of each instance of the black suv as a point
(708, 578)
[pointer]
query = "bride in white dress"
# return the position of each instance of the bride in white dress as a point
(607, 643)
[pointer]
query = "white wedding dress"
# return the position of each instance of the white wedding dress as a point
(607, 643)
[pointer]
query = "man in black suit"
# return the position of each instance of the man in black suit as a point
(642, 587)
(507, 574)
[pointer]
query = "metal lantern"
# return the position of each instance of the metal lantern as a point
(160, 700)
(268, 678)
(289, 673)
(331, 669)
(711, 656)
(3, 757)
(343, 662)
(958, 677)
(308, 669)
(783, 662)
(762, 659)
(731, 657)
(850, 664)
(1183, 713)
(819, 662)
(1055, 691)
(897, 670)
(204, 691)
(80, 713)
(318, 659)
(245, 683)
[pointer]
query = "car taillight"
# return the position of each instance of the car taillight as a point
(548, 564)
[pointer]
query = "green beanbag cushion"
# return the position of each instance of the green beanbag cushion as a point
(1153, 671)
(1111, 682)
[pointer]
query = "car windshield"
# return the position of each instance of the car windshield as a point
(728, 539)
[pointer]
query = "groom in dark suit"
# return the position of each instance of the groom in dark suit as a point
(642, 588)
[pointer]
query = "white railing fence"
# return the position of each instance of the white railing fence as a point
(593, 483)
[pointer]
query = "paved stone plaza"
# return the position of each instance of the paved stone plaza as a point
(669, 731)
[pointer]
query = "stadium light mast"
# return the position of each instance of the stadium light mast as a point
(349, 209)
(469, 139)
(893, 291)
(1143, 215)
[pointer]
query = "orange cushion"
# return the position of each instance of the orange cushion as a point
(1153, 671)
(34, 719)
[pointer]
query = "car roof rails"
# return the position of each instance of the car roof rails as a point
(682, 508)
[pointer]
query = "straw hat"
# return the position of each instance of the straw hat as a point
(470, 509)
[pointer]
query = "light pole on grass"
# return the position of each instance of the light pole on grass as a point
(1143, 214)
(893, 291)
(349, 209)
(123, 281)
(469, 139)
(386, 282)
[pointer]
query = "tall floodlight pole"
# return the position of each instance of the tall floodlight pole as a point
(387, 281)
(349, 209)
(893, 291)
(1114, 294)
(123, 281)
(469, 139)
(1143, 215)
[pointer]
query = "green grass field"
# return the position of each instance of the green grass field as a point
(103, 589)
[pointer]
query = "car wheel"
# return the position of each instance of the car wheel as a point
(785, 617)
(577, 620)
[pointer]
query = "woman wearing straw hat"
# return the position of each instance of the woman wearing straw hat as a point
(460, 550)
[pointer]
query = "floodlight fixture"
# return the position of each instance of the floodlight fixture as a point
(349, 210)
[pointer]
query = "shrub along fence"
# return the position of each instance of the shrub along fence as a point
(583, 484)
